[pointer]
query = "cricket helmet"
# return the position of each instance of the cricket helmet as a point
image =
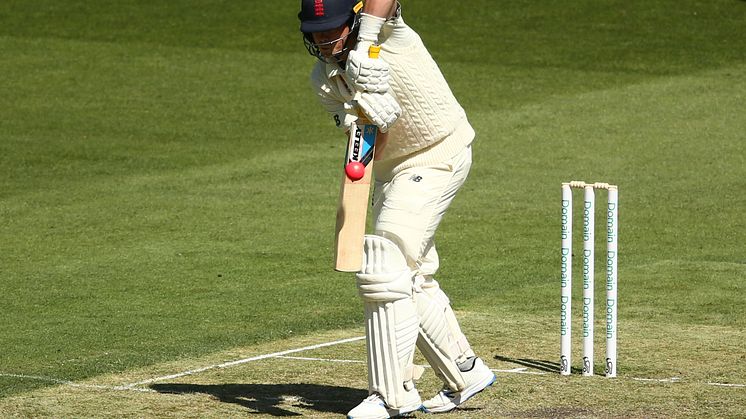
(325, 15)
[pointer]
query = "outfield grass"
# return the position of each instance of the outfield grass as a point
(168, 187)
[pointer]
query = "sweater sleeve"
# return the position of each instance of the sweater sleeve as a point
(341, 112)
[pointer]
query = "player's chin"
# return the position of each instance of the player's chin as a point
(339, 57)
(328, 58)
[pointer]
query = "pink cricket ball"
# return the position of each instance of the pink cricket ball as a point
(355, 170)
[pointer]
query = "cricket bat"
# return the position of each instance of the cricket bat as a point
(354, 193)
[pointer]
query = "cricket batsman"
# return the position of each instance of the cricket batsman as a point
(421, 161)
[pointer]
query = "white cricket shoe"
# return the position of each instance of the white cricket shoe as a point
(477, 376)
(375, 408)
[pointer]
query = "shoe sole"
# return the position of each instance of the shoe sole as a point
(406, 410)
(399, 412)
(447, 408)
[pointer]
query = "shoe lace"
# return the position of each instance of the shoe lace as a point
(447, 392)
(375, 398)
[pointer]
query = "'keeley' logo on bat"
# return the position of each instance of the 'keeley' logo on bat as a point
(356, 145)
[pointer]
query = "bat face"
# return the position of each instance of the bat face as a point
(353, 198)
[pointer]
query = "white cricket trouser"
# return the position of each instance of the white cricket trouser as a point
(408, 208)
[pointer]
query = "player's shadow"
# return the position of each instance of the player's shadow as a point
(537, 364)
(269, 399)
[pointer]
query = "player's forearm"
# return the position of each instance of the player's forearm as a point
(380, 8)
(375, 13)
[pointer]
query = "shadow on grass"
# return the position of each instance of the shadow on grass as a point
(538, 364)
(542, 365)
(273, 399)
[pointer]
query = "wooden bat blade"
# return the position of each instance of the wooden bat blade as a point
(353, 200)
(351, 218)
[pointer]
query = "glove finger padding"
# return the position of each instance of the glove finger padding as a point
(367, 74)
(345, 116)
(381, 108)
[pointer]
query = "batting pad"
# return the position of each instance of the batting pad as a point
(441, 341)
(391, 324)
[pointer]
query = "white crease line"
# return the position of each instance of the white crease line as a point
(303, 358)
(241, 361)
(521, 370)
(74, 384)
(679, 380)
(727, 385)
(282, 354)
(658, 380)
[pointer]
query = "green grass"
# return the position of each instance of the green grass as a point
(168, 184)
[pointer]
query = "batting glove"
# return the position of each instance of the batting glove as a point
(381, 108)
(367, 74)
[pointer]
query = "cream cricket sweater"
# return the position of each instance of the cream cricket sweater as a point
(433, 126)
